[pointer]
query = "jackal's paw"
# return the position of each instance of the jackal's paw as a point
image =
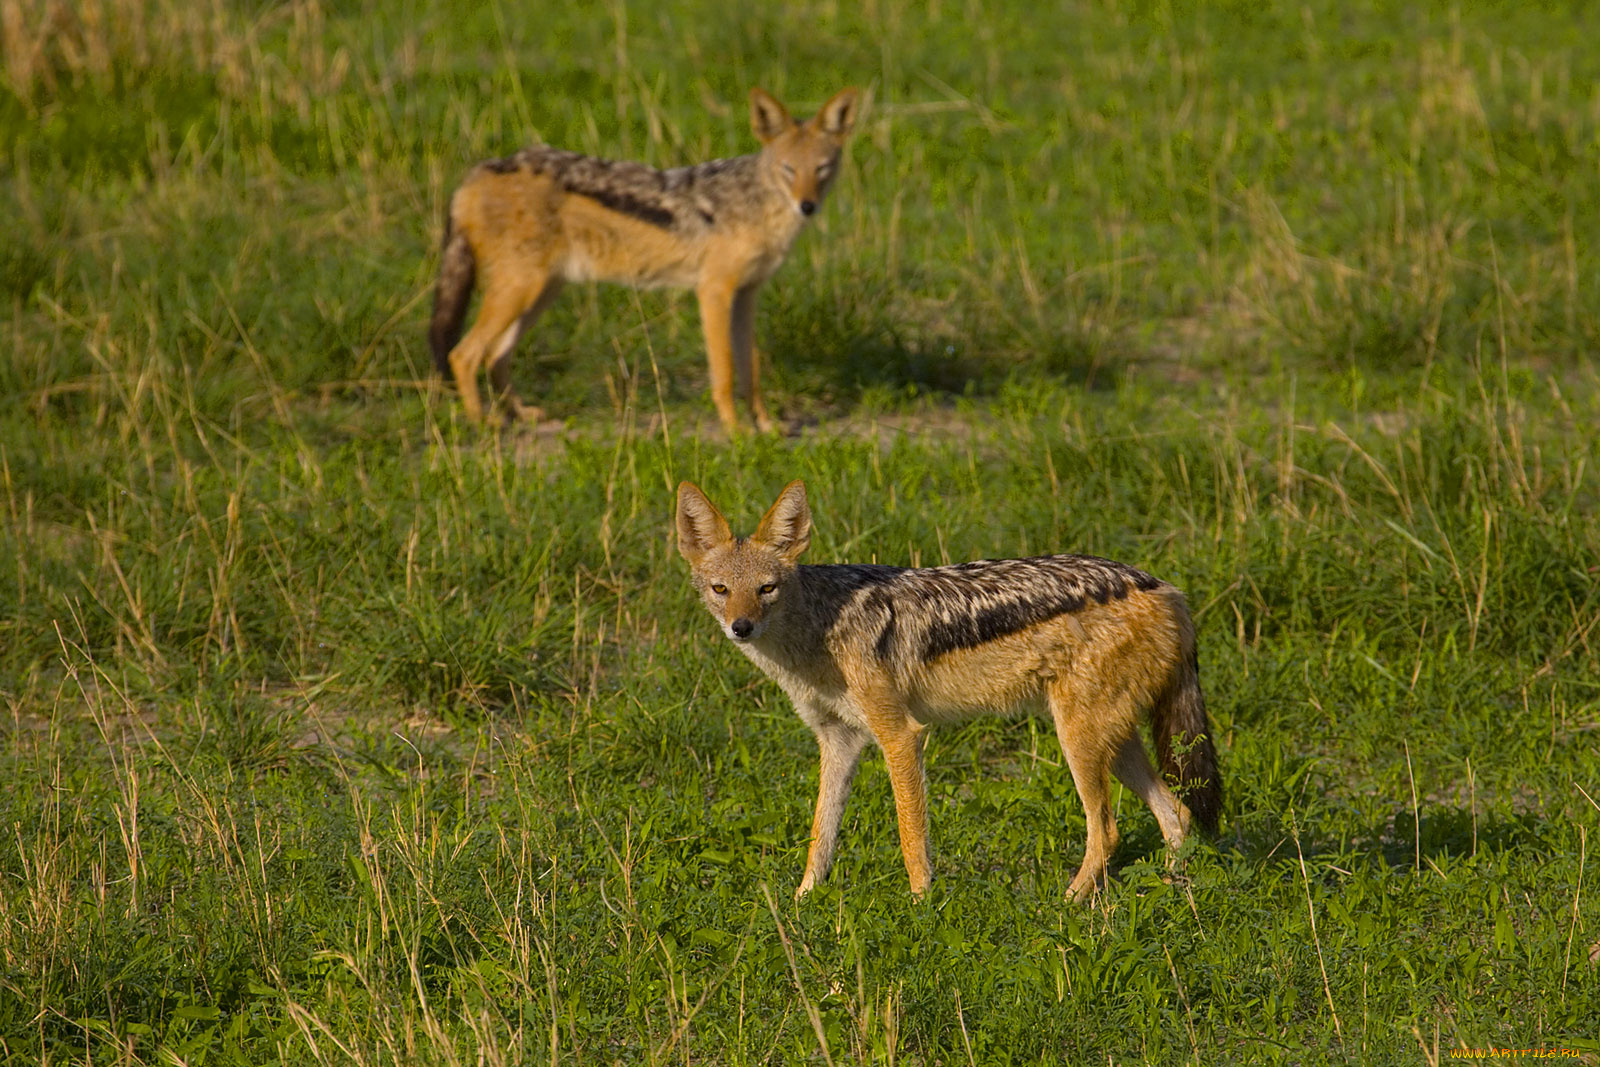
(515, 411)
(1084, 887)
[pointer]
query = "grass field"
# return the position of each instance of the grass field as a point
(337, 731)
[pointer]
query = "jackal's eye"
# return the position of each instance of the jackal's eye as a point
(788, 170)
(825, 170)
(768, 589)
(720, 589)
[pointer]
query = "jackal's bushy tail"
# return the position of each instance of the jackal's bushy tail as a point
(1184, 745)
(457, 273)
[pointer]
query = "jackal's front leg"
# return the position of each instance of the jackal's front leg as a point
(840, 747)
(903, 753)
(747, 357)
(901, 738)
(716, 320)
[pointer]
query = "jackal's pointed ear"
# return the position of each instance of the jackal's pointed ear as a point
(768, 118)
(701, 526)
(787, 524)
(838, 116)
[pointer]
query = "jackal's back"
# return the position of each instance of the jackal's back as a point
(677, 198)
(919, 614)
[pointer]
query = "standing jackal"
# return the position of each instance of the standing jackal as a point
(875, 653)
(526, 225)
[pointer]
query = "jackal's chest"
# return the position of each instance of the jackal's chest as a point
(750, 253)
(816, 688)
(999, 678)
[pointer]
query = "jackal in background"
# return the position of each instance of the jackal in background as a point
(526, 225)
(875, 653)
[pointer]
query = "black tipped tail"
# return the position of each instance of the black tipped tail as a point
(457, 274)
(1184, 745)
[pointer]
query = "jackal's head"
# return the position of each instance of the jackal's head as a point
(743, 579)
(803, 155)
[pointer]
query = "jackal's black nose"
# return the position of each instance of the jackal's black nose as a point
(808, 207)
(742, 627)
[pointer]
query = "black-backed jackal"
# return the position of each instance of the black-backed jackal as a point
(524, 226)
(875, 653)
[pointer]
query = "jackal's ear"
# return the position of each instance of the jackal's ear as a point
(838, 116)
(787, 524)
(701, 526)
(768, 118)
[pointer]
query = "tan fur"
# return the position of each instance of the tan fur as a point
(842, 641)
(524, 226)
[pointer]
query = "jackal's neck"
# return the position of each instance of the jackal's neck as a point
(832, 586)
(743, 193)
(800, 648)
(819, 602)
(768, 202)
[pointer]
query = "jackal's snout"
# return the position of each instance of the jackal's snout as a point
(745, 604)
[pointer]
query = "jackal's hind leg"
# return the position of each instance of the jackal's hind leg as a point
(1081, 731)
(1133, 767)
(1089, 773)
(500, 364)
(496, 325)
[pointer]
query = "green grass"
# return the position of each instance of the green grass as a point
(336, 731)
